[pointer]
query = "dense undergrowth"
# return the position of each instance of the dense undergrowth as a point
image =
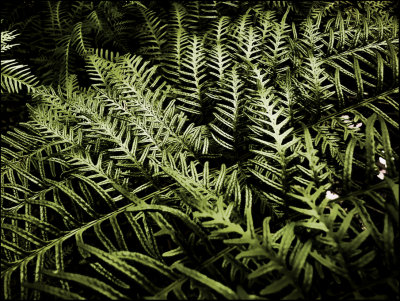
(200, 150)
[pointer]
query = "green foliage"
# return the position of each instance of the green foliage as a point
(14, 76)
(202, 150)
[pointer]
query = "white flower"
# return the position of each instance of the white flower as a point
(382, 161)
(381, 174)
(331, 195)
(345, 118)
(352, 126)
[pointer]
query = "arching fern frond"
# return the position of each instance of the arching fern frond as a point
(15, 77)
(275, 51)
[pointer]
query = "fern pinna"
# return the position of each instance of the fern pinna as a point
(201, 149)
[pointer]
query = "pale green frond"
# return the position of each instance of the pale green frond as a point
(6, 37)
(15, 77)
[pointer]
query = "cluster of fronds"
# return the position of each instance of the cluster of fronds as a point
(203, 149)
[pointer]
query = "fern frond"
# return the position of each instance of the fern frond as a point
(152, 33)
(317, 171)
(316, 83)
(214, 285)
(219, 55)
(6, 37)
(249, 50)
(275, 51)
(241, 24)
(79, 40)
(265, 21)
(192, 75)
(199, 13)
(228, 112)
(15, 76)
(269, 123)
(177, 35)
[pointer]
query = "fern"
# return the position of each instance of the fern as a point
(201, 150)
(14, 76)
(193, 72)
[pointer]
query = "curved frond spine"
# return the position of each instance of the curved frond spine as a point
(79, 40)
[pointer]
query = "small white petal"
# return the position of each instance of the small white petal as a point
(331, 195)
(381, 175)
(353, 126)
(382, 161)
